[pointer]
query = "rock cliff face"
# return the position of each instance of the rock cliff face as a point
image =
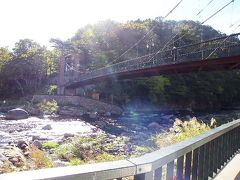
(86, 103)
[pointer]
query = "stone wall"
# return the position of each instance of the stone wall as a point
(89, 104)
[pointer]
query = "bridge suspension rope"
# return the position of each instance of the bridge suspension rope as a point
(218, 11)
(170, 12)
(203, 22)
(199, 12)
(223, 42)
(116, 59)
(173, 37)
(162, 49)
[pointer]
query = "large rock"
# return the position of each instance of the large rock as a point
(37, 144)
(16, 114)
(47, 127)
(68, 135)
(23, 145)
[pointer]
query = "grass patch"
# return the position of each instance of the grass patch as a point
(39, 158)
(89, 149)
(104, 157)
(64, 151)
(76, 161)
(182, 131)
(50, 145)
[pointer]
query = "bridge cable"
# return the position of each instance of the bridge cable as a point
(199, 12)
(185, 34)
(162, 49)
(173, 37)
(230, 26)
(218, 11)
(171, 11)
(223, 42)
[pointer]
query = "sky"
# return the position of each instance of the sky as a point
(41, 20)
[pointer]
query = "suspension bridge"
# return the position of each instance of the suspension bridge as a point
(216, 54)
(221, 53)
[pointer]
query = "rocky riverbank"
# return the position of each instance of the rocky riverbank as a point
(98, 137)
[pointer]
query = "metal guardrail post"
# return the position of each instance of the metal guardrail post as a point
(144, 176)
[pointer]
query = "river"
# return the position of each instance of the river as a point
(134, 124)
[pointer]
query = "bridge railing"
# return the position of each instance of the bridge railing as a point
(219, 47)
(200, 157)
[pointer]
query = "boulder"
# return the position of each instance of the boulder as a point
(37, 144)
(40, 138)
(16, 114)
(35, 138)
(23, 145)
(47, 127)
(67, 135)
(154, 126)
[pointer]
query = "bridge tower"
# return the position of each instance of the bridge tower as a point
(62, 90)
(61, 80)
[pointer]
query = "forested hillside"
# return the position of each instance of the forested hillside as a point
(26, 68)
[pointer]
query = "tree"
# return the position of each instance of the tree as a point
(27, 68)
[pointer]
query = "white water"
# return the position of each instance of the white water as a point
(15, 130)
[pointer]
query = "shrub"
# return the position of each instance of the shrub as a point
(104, 157)
(140, 150)
(181, 131)
(6, 167)
(76, 161)
(50, 145)
(39, 158)
(64, 151)
(52, 89)
(48, 107)
(90, 149)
